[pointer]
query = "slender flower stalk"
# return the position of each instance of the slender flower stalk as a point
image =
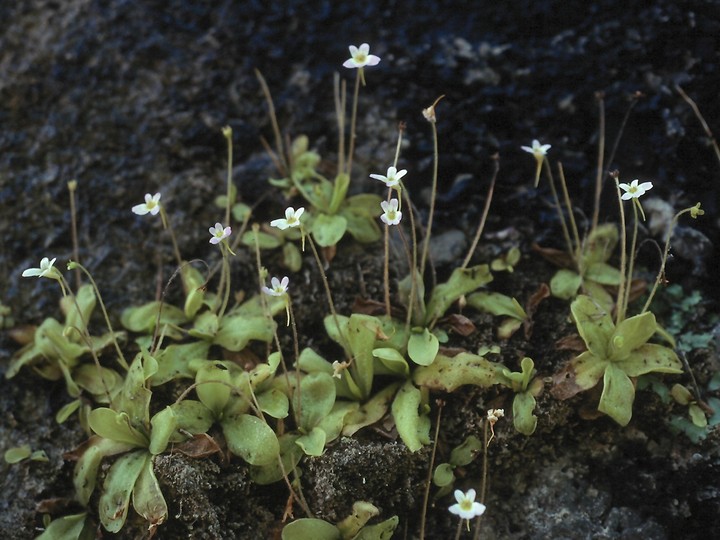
(227, 133)
(430, 116)
(632, 191)
(121, 358)
(72, 188)
(619, 312)
(558, 206)
(431, 466)
(219, 236)
(360, 57)
(485, 212)
(694, 211)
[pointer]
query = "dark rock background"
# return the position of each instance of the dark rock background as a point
(129, 97)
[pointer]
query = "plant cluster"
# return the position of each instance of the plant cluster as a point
(390, 358)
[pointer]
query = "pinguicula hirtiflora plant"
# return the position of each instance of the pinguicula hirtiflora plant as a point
(584, 262)
(619, 350)
(332, 213)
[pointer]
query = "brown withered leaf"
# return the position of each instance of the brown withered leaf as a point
(200, 446)
(460, 324)
(367, 306)
(557, 257)
(77, 452)
(542, 292)
(22, 334)
(329, 253)
(55, 506)
(451, 351)
(572, 342)
(564, 385)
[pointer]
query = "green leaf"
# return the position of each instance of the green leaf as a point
(213, 386)
(290, 454)
(380, 531)
(523, 418)
(116, 426)
(697, 415)
(328, 230)
(333, 423)
(594, 325)
(191, 417)
(315, 399)
(630, 334)
(67, 410)
(650, 358)
(618, 395)
(312, 362)
(600, 244)
(134, 398)
(84, 299)
(194, 287)
(17, 454)
(497, 304)
(312, 443)
(362, 226)
(362, 332)
(413, 428)
(305, 528)
(603, 273)
(264, 240)
(205, 326)
(148, 500)
(73, 527)
(423, 347)
(237, 331)
(86, 468)
(142, 319)
(163, 425)
(292, 258)
(371, 411)
(251, 439)
(362, 512)
(588, 369)
(96, 380)
(115, 500)
(392, 360)
(448, 374)
(467, 452)
(274, 402)
(174, 361)
(462, 281)
(340, 188)
(443, 475)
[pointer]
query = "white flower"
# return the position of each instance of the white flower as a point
(493, 415)
(278, 287)
(292, 218)
(150, 206)
(466, 506)
(46, 268)
(392, 177)
(634, 190)
(537, 149)
(218, 233)
(361, 57)
(391, 214)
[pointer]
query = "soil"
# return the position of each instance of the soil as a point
(130, 98)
